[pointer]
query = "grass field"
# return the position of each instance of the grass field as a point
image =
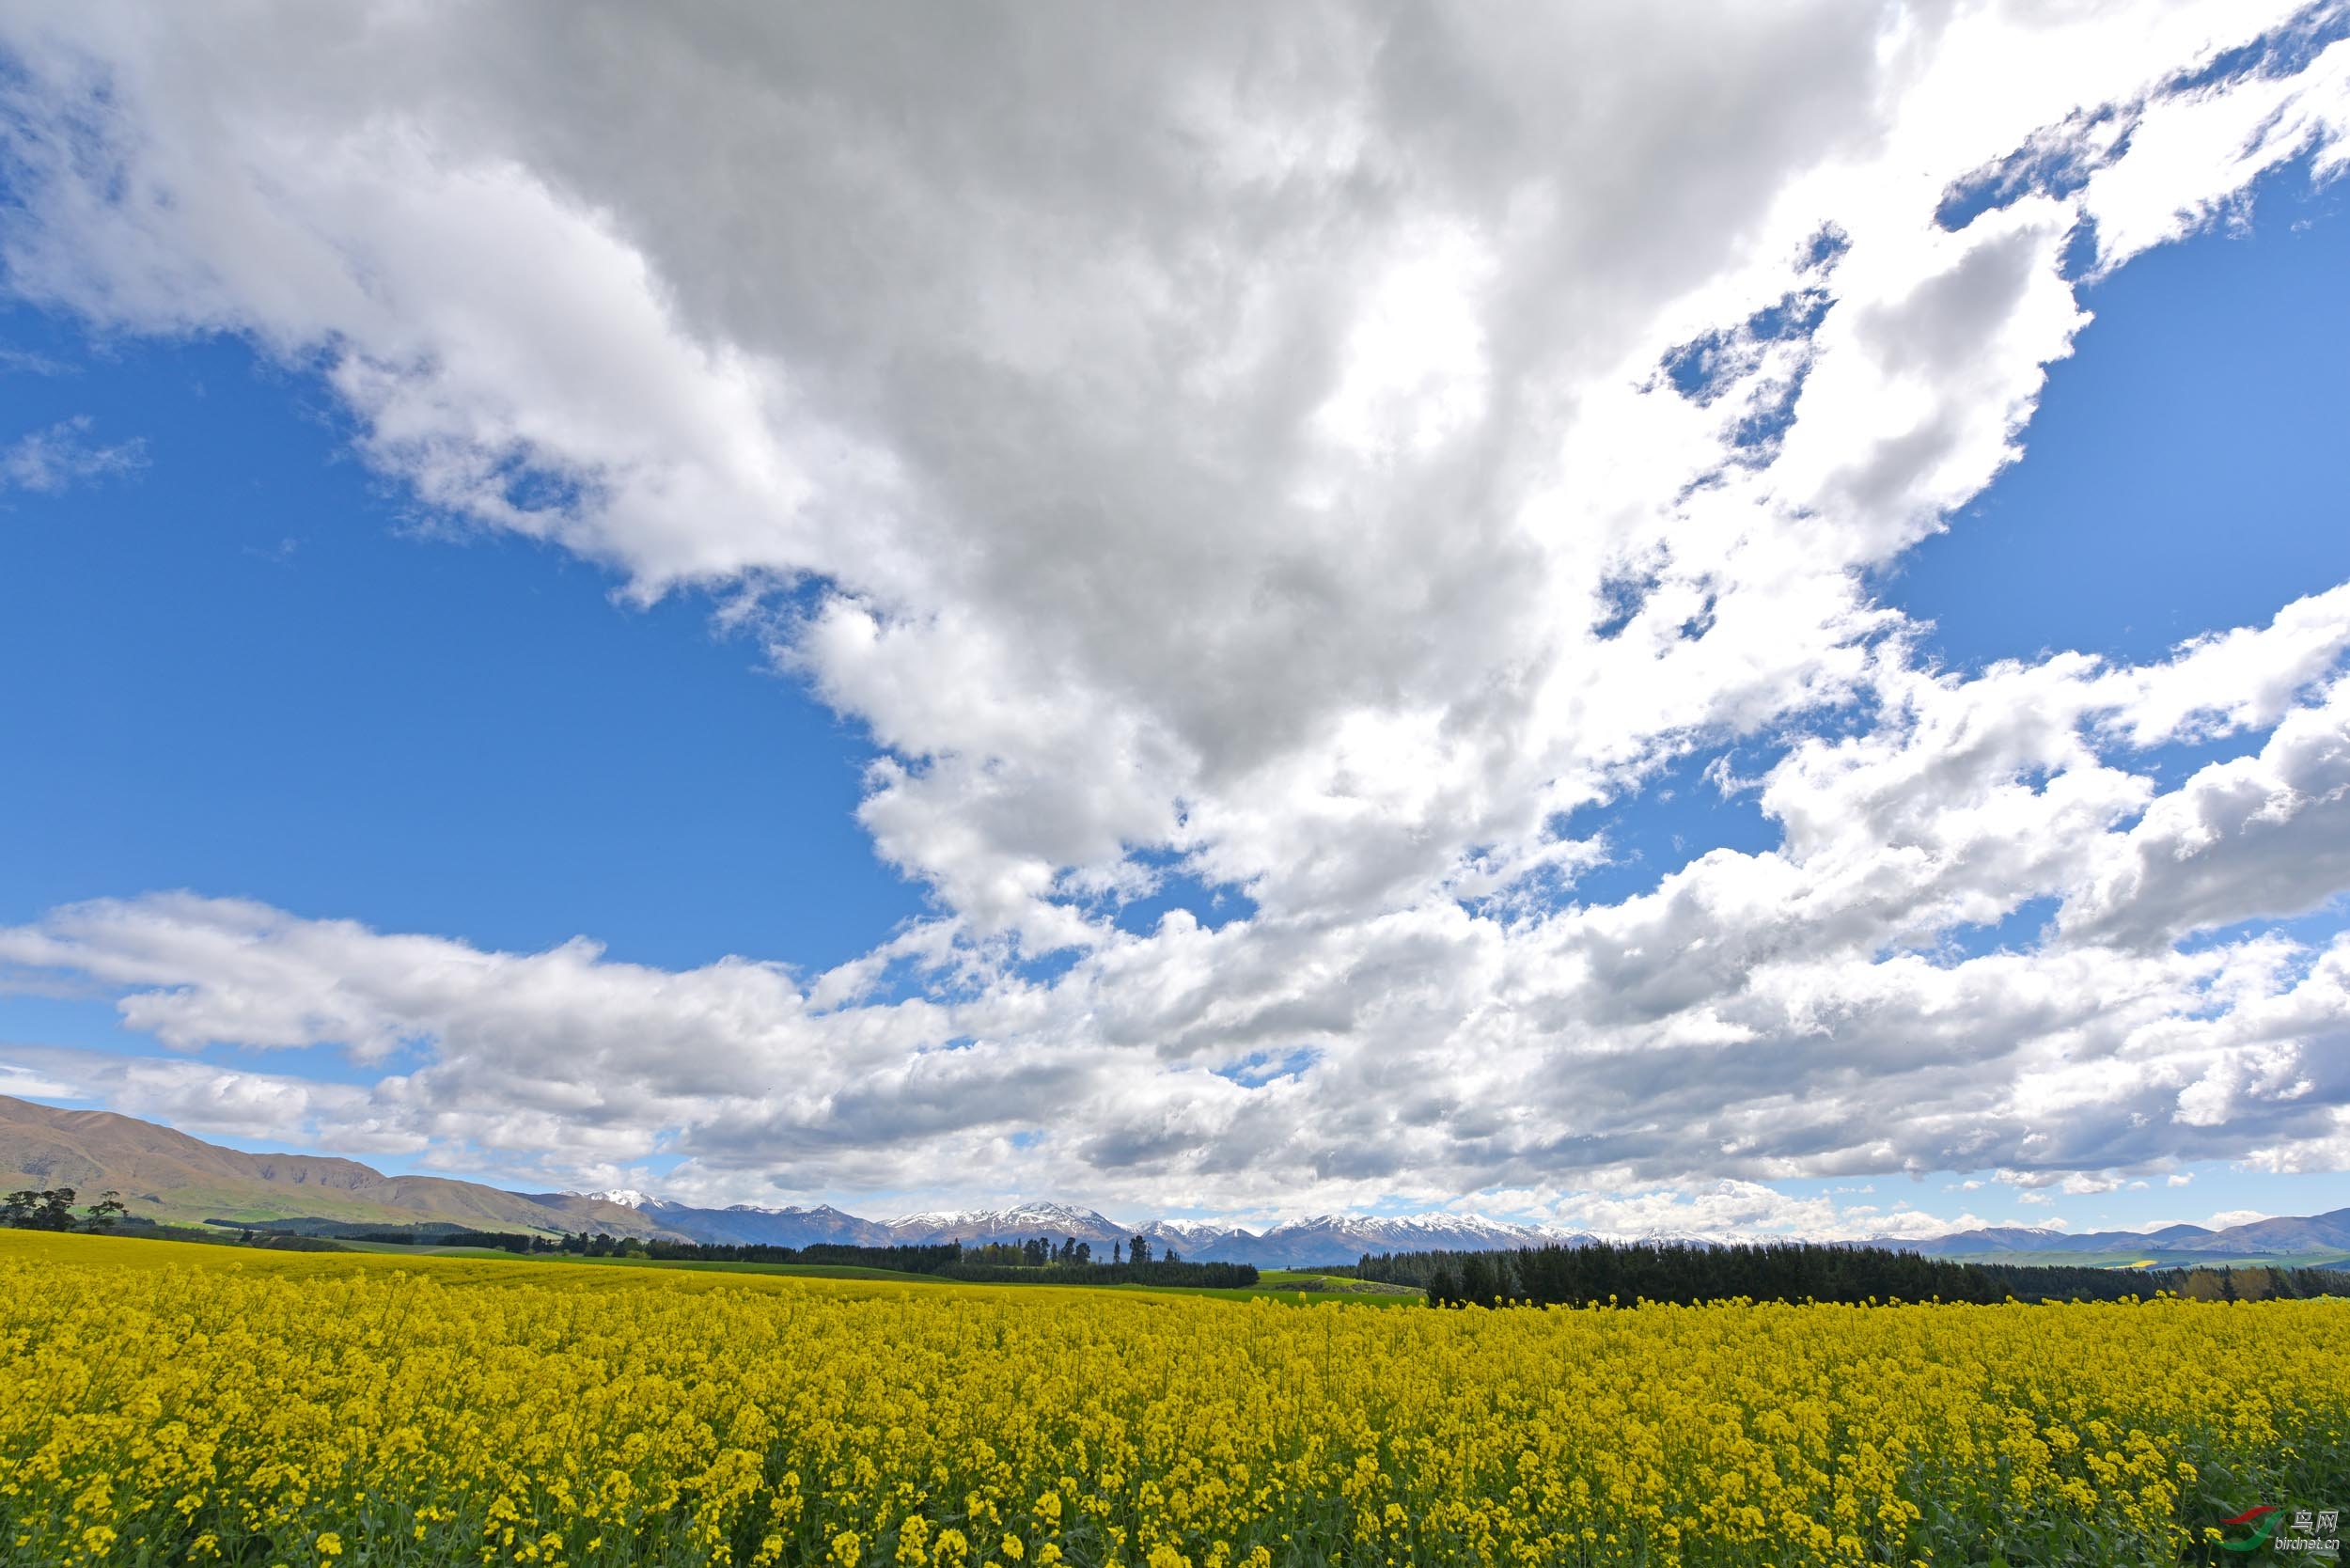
(164, 1404)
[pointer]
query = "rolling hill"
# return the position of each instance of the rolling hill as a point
(167, 1175)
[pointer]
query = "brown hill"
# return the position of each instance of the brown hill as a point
(169, 1176)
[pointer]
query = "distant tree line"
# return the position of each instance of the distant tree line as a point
(1036, 1261)
(2259, 1283)
(505, 1241)
(1162, 1271)
(1626, 1272)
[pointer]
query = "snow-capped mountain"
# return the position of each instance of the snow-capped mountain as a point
(1203, 1240)
(627, 1198)
(748, 1224)
(1020, 1222)
(1343, 1238)
(1321, 1239)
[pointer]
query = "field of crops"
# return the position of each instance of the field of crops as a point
(169, 1404)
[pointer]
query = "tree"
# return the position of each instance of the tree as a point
(1138, 1249)
(57, 1210)
(47, 1209)
(108, 1209)
(1442, 1289)
(1117, 1251)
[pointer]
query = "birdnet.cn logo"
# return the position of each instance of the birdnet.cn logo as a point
(2308, 1529)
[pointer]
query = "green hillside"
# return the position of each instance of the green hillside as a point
(170, 1177)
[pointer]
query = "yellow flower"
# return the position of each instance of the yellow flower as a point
(165, 1404)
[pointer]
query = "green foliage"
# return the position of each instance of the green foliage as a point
(46, 1208)
(1600, 1272)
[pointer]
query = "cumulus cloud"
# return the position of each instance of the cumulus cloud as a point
(1313, 451)
(2265, 835)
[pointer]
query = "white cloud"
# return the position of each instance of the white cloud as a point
(31, 1083)
(60, 456)
(1744, 1211)
(1320, 446)
(2265, 835)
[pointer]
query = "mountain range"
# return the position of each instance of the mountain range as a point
(170, 1176)
(1323, 1239)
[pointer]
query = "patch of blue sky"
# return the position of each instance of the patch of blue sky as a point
(2186, 471)
(2313, 931)
(245, 670)
(2284, 51)
(2173, 762)
(1675, 816)
(1048, 968)
(1708, 364)
(2054, 164)
(1172, 885)
(908, 978)
(89, 1021)
(1260, 1068)
(1214, 905)
(2018, 931)
(1825, 248)
(1621, 596)
(1796, 314)
(1758, 432)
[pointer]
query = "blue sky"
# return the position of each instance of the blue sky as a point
(2185, 465)
(516, 665)
(250, 667)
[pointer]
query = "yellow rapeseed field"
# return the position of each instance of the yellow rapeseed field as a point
(163, 1403)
